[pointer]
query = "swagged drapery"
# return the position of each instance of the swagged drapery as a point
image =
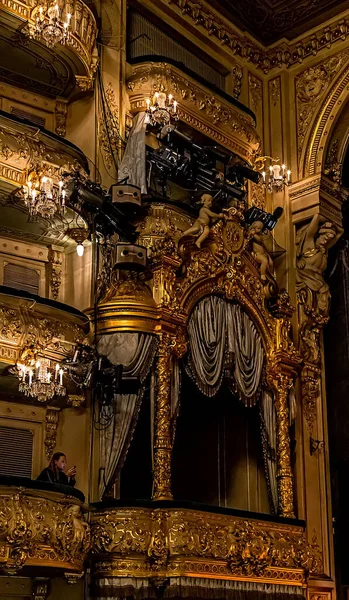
(135, 351)
(224, 342)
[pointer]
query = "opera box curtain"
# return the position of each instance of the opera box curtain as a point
(224, 342)
(135, 351)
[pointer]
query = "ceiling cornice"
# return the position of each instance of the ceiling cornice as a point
(283, 54)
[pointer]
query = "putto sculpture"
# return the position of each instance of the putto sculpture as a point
(201, 227)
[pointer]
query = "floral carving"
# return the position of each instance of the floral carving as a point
(109, 133)
(333, 167)
(171, 537)
(275, 90)
(201, 15)
(29, 526)
(255, 90)
(51, 426)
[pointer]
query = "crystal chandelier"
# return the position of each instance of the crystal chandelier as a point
(276, 177)
(43, 197)
(161, 109)
(50, 26)
(37, 379)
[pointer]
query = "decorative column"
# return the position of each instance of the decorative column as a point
(281, 383)
(316, 214)
(162, 433)
(169, 345)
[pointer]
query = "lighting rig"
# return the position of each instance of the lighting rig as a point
(107, 216)
(197, 169)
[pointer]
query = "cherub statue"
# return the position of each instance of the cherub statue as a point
(313, 242)
(204, 221)
(259, 250)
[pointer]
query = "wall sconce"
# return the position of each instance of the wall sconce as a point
(79, 235)
(316, 445)
(275, 177)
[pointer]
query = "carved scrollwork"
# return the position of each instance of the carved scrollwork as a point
(172, 539)
(311, 85)
(25, 325)
(207, 112)
(41, 530)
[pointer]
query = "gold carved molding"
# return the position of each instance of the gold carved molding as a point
(51, 426)
(23, 148)
(41, 529)
(175, 542)
(53, 332)
(205, 111)
(320, 93)
(201, 16)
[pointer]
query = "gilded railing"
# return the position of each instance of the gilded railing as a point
(25, 147)
(53, 328)
(176, 542)
(44, 529)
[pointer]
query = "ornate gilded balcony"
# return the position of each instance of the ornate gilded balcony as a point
(26, 320)
(42, 528)
(30, 64)
(213, 113)
(164, 540)
(25, 146)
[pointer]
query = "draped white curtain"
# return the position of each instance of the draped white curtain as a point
(135, 351)
(133, 164)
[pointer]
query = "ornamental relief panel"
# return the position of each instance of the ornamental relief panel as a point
(311, 88)
(197, 105)
(38, 530)
(173, 541)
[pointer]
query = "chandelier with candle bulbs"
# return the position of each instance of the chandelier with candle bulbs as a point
(52, 24)
(275, 177)
(43, 197)
(38, 379)
(161, 110)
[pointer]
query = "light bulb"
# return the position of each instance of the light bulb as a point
(80, 250)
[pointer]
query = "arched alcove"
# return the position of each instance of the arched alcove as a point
(224, 450)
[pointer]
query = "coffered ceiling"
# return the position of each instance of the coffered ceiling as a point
(270, 20)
